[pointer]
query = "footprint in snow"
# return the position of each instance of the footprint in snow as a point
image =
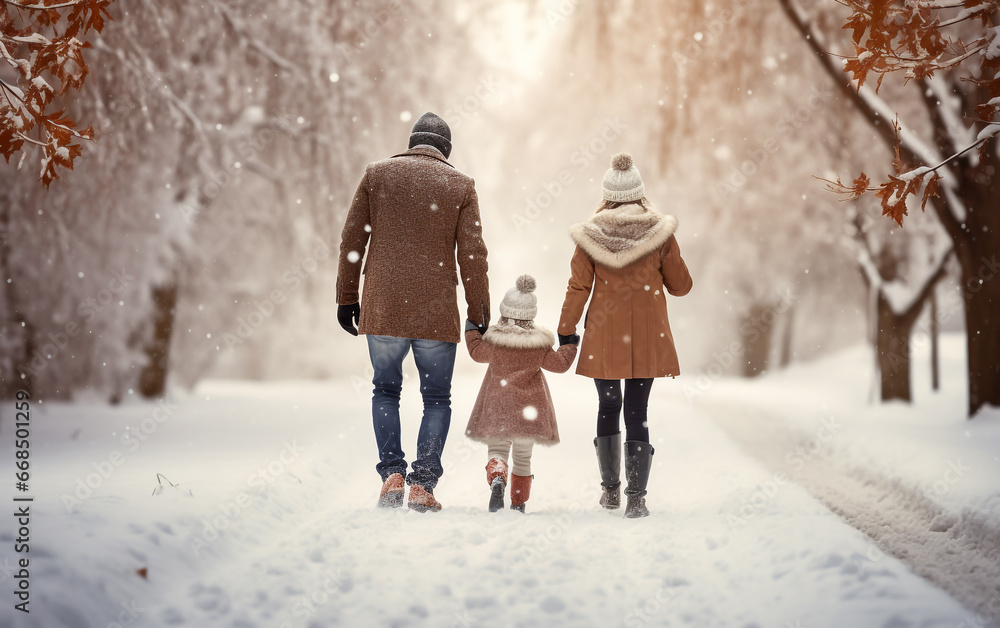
(476, 538)
(172, 617)
(419, 610)
(165, 528)
(316, 556)
(826, 562)
(479, 601)
(553, 604)
(211, 599)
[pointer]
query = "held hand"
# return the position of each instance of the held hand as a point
(471, 326)
(348, 316)
(572, 339)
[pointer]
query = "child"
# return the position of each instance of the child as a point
(514, 409)
(628, 256)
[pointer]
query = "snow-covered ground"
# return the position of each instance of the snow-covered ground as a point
(272, 523)
(922, 480)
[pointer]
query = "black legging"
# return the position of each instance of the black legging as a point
(610, 406)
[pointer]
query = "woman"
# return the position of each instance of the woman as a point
(626, 254)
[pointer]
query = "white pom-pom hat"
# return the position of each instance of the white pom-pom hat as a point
(519, 303)
(622, 182)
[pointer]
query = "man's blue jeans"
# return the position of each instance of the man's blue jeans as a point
(435, 364)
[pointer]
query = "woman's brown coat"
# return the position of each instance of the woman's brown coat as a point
(514, 402)
(629, 259)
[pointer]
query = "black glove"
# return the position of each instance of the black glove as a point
(348, 317)
(572, 339)
(469, 326)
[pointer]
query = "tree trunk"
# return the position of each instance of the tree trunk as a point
(935, 332)
(982, 301)
(153, 380)
(892, 345)
(976, 236)
(977, 253)
(13, 376)
(786, 336)
(756, 332)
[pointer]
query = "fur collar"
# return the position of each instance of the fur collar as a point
(515, 337)
(617, 237)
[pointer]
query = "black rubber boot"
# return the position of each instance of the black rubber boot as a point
(496, 495)
(638, 462)
(609, 460)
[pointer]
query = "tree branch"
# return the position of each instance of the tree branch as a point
(864, 104)
(929, 96)
(263, 49)
(44, 7)
(936, 274)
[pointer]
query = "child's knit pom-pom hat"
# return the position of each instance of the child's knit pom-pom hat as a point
(519, 303)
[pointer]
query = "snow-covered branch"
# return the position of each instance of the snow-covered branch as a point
(879, 37)
(903, 297)
(46, 7)
(25, 116)
(255, 43)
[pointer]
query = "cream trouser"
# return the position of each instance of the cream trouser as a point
(519, 450)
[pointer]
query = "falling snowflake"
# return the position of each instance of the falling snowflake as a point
(530, 412)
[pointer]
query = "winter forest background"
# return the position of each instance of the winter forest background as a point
(842, 330)
(241, 143)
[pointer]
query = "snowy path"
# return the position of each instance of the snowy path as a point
(957, 550)
(285, 472)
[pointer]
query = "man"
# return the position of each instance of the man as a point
(417, 210)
